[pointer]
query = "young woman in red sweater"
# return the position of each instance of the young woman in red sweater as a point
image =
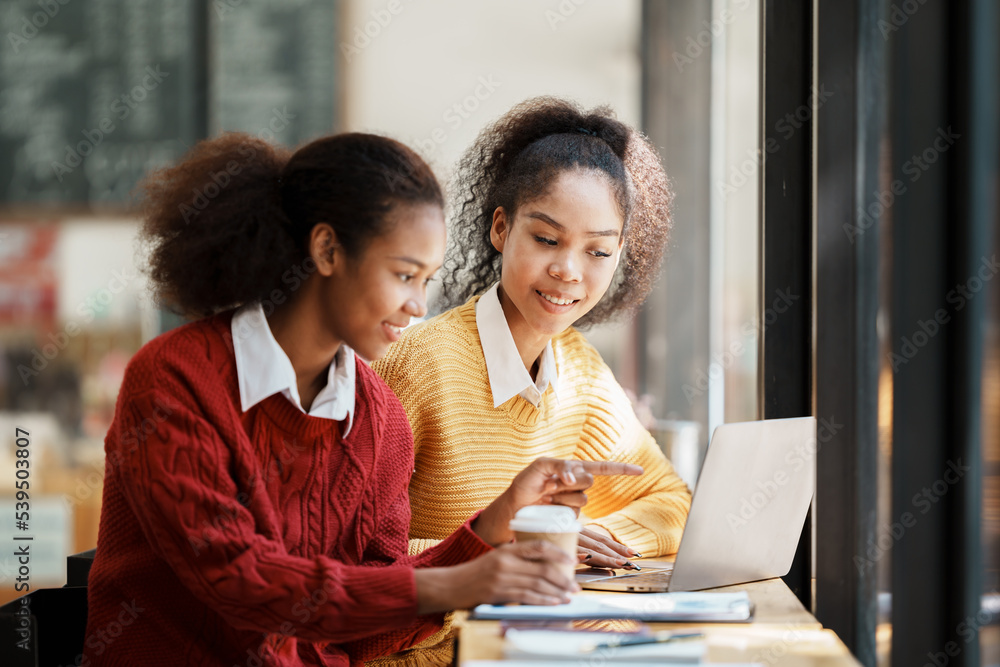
(255, 507)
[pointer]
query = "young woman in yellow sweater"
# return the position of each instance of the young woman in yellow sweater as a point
(561, 222)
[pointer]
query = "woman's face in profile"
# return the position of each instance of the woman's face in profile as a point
(560, 253)
(371, 298)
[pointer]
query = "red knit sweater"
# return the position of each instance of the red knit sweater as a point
(257, 538)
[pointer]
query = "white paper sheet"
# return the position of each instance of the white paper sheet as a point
(666, 607)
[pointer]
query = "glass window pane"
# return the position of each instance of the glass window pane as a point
(700, 328)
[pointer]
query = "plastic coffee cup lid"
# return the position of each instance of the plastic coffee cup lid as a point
(545, 519)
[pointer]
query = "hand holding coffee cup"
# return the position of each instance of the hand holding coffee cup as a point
(548, 523)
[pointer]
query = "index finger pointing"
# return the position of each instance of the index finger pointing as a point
(611, 468)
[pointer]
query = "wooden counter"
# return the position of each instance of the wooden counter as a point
(783, 633)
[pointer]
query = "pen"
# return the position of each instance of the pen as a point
(656, 638)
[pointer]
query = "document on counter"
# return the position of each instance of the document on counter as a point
(562, 663)
(688, 607)
(549, 645)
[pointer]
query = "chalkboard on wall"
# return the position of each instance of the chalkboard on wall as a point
(273, 68)
(94, 93)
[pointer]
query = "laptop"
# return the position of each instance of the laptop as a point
(746, 516)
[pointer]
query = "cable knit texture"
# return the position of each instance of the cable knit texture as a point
(467, 451)
(257, 538)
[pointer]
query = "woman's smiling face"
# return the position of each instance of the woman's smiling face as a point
(559, 253)
(370, 299)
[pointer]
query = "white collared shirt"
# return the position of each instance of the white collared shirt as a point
(508, 376)
(263, 369)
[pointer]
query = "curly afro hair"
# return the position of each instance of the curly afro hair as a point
(517, 158)
(230, 222)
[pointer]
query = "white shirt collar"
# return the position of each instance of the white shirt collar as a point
(508, 376)
(263, 369)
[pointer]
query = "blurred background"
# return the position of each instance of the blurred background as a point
(96, 93)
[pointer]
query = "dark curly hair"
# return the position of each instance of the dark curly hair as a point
(516, 159)
(229, 223)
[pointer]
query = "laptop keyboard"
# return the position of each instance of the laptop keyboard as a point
(656, 575)
(660, 577)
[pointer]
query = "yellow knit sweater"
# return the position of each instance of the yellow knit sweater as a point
(467, 451)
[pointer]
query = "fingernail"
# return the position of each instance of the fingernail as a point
(621, 562)
(552, 600)
(636, 554)
(589, 556)
(570, 478)
(629, 565)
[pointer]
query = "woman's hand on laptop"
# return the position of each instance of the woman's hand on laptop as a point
(541, 483)
(604, 550)
(524, 572)
(597, 547)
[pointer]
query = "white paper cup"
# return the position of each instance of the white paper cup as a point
(550, 523)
